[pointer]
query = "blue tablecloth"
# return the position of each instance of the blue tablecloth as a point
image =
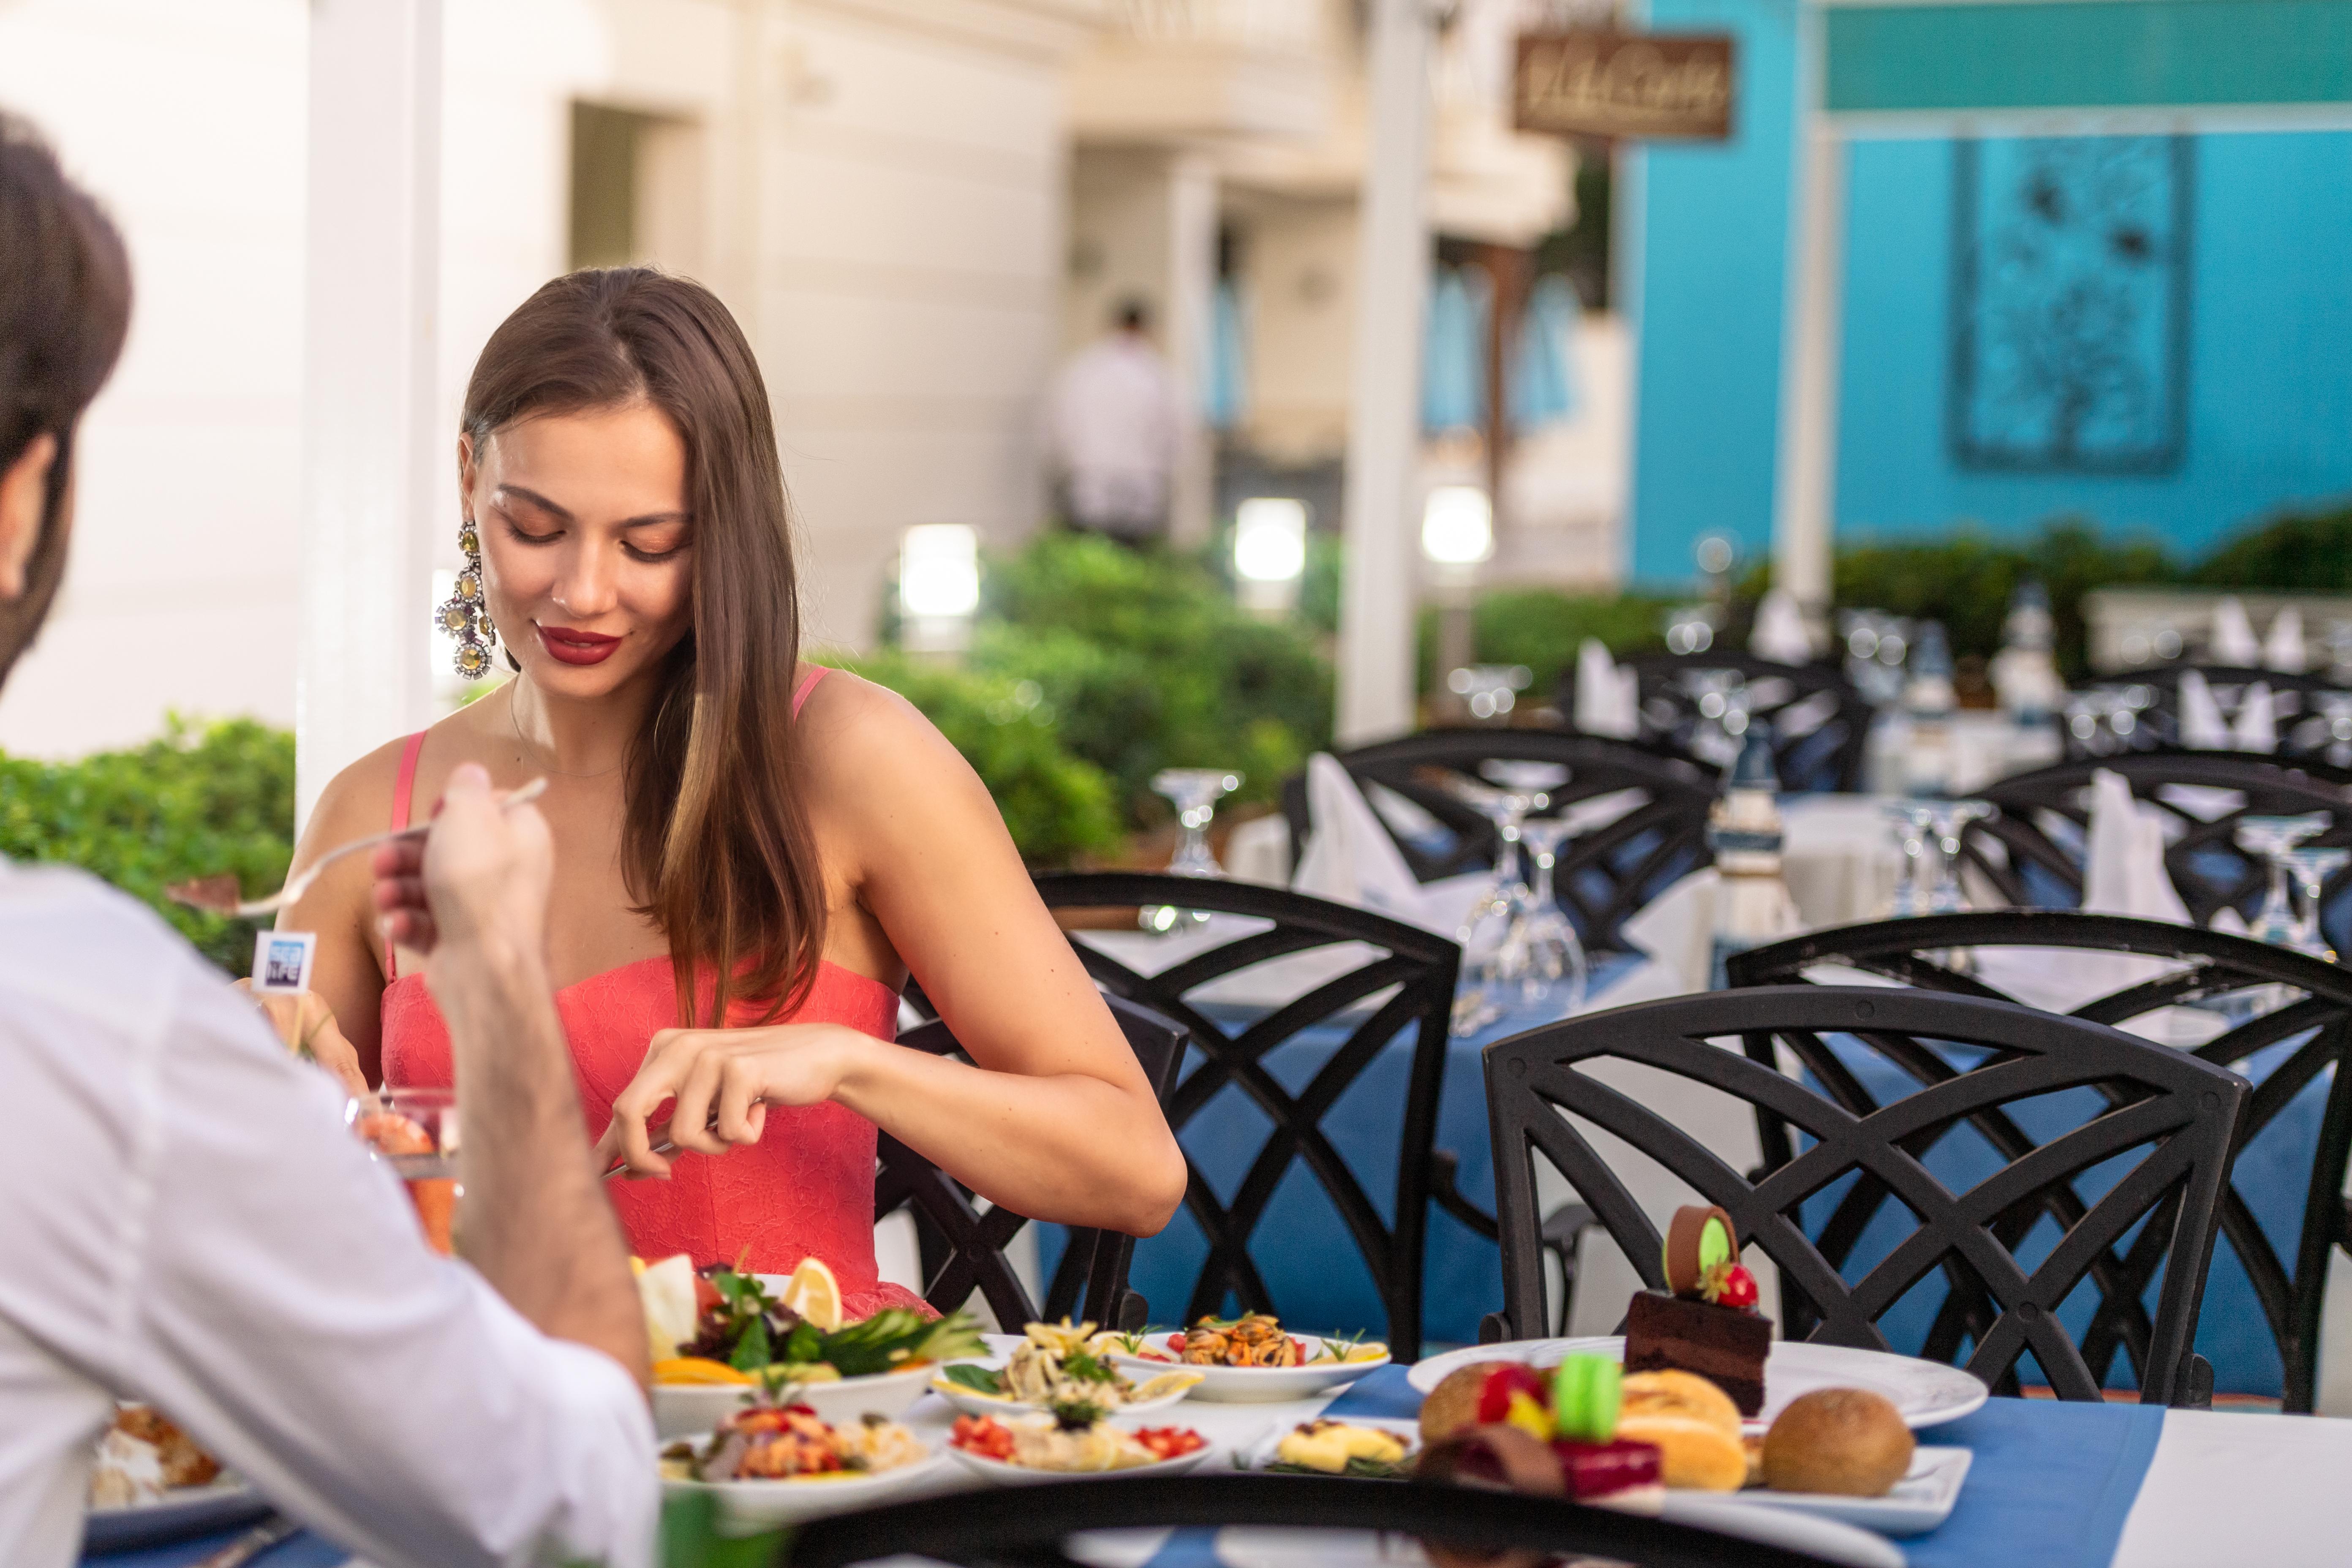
(1310, 1263)
(2050, 1486)
(302, 1550)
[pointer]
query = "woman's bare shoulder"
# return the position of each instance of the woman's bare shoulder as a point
(865, 748)
(358, 799)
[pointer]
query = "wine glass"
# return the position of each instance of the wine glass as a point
(1194, 793)
(416, 1131)
(2312, 867)
(1913, 825)
(1556, 971)
(1948, 821)
(1489, 691)
(1494, 958)
(1722, 699)
(2272, 837)
(2336, 709)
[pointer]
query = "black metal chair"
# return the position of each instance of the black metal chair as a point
(1407, 985)
(2214, 970)
(1603, 875)
(1821, 724)
(1971, 1056)
(2301, 703)
(2046, 814)
(1029, 1525)
(963, 1244)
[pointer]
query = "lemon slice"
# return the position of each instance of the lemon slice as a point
(814, 1294)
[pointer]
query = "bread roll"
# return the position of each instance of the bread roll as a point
(1694, 1455)
(1683, 1394)
(1846, 1441)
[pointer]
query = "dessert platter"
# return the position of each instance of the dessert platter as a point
(1698, 1415)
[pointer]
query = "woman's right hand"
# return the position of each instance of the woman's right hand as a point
(306, 1025)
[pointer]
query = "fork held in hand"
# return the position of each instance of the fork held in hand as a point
(218, 894)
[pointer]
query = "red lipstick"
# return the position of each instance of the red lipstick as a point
(570, 647)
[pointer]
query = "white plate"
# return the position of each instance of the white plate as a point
(180, 1514)
(1007, 1475)
(760, 1504)
(1920, 1501)
(972, 1402)
(1924, 1393)
(1262, 1453)
(1261, 1384)
(693, 1409)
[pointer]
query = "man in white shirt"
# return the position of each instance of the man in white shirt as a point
(188, 1222)
(1112, 432)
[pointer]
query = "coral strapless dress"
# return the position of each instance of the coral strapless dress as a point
(805, 1189)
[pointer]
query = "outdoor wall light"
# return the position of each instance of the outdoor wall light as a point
(939, 586)
(1457, 526)
(1269, 551)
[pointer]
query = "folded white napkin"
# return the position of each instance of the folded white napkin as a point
(2257, 726)
(1676, 929)
(2202, 728)
(1607, 697)
(1349, 858)
(2123, 867)
(1779, 632)
(2232, 638)
(2283, 650)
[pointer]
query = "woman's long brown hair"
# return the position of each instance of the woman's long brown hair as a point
(714, 840)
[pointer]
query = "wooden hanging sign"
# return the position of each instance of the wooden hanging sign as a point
(1598, 81)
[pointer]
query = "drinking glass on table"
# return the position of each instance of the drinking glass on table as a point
(1555, 973)
(2271, 839)
(1948, 821)
(415, 1131)
(1194, 793)
(1914, 825)
(1493, 937)
(2311, 867)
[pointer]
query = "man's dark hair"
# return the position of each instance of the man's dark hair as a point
(64, 309)
(1132, 315)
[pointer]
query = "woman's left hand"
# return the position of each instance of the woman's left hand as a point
(719, 1084)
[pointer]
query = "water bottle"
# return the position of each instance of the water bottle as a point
(2025, 676)
(1928, 700)
(1751, 903)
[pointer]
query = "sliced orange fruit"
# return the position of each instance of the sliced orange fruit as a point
(698, 1369)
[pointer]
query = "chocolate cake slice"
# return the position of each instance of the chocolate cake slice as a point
(1706, 1320)
(1722, 1344)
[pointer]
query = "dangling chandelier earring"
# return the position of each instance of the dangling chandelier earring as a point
(466, 613)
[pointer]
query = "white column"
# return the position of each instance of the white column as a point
(1809, 353)
(378, 466)
(1376, 597)
(1191, 296)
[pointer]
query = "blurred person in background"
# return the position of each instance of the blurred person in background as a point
(189, 1222)
(1112, 432)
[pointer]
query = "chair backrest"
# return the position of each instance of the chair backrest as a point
(1032, 1524)
(1604, 875)
(2033, 848)
(2301, 705)
(2232, 977)
(1354, 1009)
(972, 1241)
(1970, 1054)
(1821, 724)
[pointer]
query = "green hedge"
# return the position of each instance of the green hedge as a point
(1542, 628)
(218, 797)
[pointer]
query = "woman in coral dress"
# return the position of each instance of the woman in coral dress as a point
(752, 853)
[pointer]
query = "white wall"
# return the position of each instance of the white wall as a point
(188, 121)
(882, 195)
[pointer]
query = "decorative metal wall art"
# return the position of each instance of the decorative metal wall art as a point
(2070, 303)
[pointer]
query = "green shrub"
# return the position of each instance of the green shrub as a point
(1542, 628)
(1149, 664)
(2308, 553)
(1056, 805)
(198, 800)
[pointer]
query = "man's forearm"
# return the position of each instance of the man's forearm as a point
(536, 1222)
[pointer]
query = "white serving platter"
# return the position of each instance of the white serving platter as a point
(1925, 1392)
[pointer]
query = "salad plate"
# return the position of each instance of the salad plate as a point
(1007, 1472)
(1052, 1363)
(690, 1409)
(761, 1504)
(1924, 1392)
(977, 1402)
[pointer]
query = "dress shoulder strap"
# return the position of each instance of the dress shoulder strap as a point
(811, 675)
(403, 786)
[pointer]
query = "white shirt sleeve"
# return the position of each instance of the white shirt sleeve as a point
(271, 1289)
